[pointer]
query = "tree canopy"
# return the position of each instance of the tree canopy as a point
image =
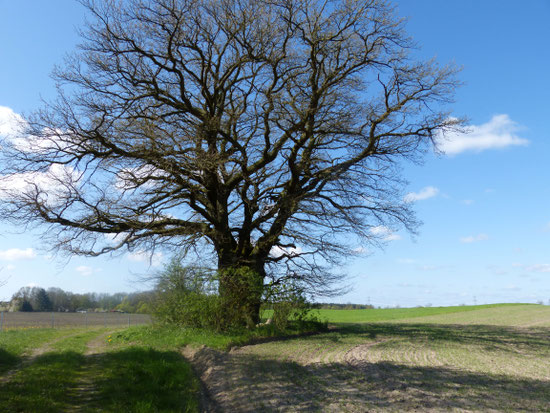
(265, 132)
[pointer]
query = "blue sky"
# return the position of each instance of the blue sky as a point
(484, 205)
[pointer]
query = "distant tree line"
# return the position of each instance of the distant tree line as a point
(56, 299)
(337, 306)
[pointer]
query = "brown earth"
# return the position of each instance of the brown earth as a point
(332, 374)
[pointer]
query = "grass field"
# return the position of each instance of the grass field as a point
(390, 314)
(483, 358)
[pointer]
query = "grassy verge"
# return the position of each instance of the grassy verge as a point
(167, 337)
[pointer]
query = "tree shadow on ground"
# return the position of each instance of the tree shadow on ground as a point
(144, 380)
(42, 385)
(262, 384)
(499, 337)
(7, 360)
(132, 380)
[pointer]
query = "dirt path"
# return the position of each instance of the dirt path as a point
(85, 393)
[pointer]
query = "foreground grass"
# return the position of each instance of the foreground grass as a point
(139, 379)
(14, 344)
(151, 377)
(43, 385)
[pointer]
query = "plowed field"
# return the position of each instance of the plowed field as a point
(491, 359)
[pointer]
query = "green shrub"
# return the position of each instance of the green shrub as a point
(185, 297)
(188, 296)
(291, 308)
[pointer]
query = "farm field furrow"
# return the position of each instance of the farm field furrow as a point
(444, 362)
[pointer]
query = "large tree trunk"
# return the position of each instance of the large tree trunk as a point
(241, 288)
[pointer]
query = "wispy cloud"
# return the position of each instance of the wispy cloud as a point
(360, 250)
(155, 259)
(425, 193)
(53, 182)
(499, 132)
(384, 233)
(538, 268)
(16, 254)
(474, 238)
(85, 270)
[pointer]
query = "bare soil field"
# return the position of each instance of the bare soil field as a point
(487, 360)
(61, 320)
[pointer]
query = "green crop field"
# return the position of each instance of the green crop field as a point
(469, 358)
(389, 314)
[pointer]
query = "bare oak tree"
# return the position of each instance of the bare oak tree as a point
(270, 131)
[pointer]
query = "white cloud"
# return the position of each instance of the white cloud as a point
(538, 268)
(54, 183)
(467, 201)
(474, 238)
(384, 233)
(360, 250)
(10, 267)
(499, 132)
(517, 265)
(277, 252)
(143, 256)
(425, 193)
(10, 123)
(428, 267)
(13, 131)
(16, 254)
(116, 238)
(85, 270)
